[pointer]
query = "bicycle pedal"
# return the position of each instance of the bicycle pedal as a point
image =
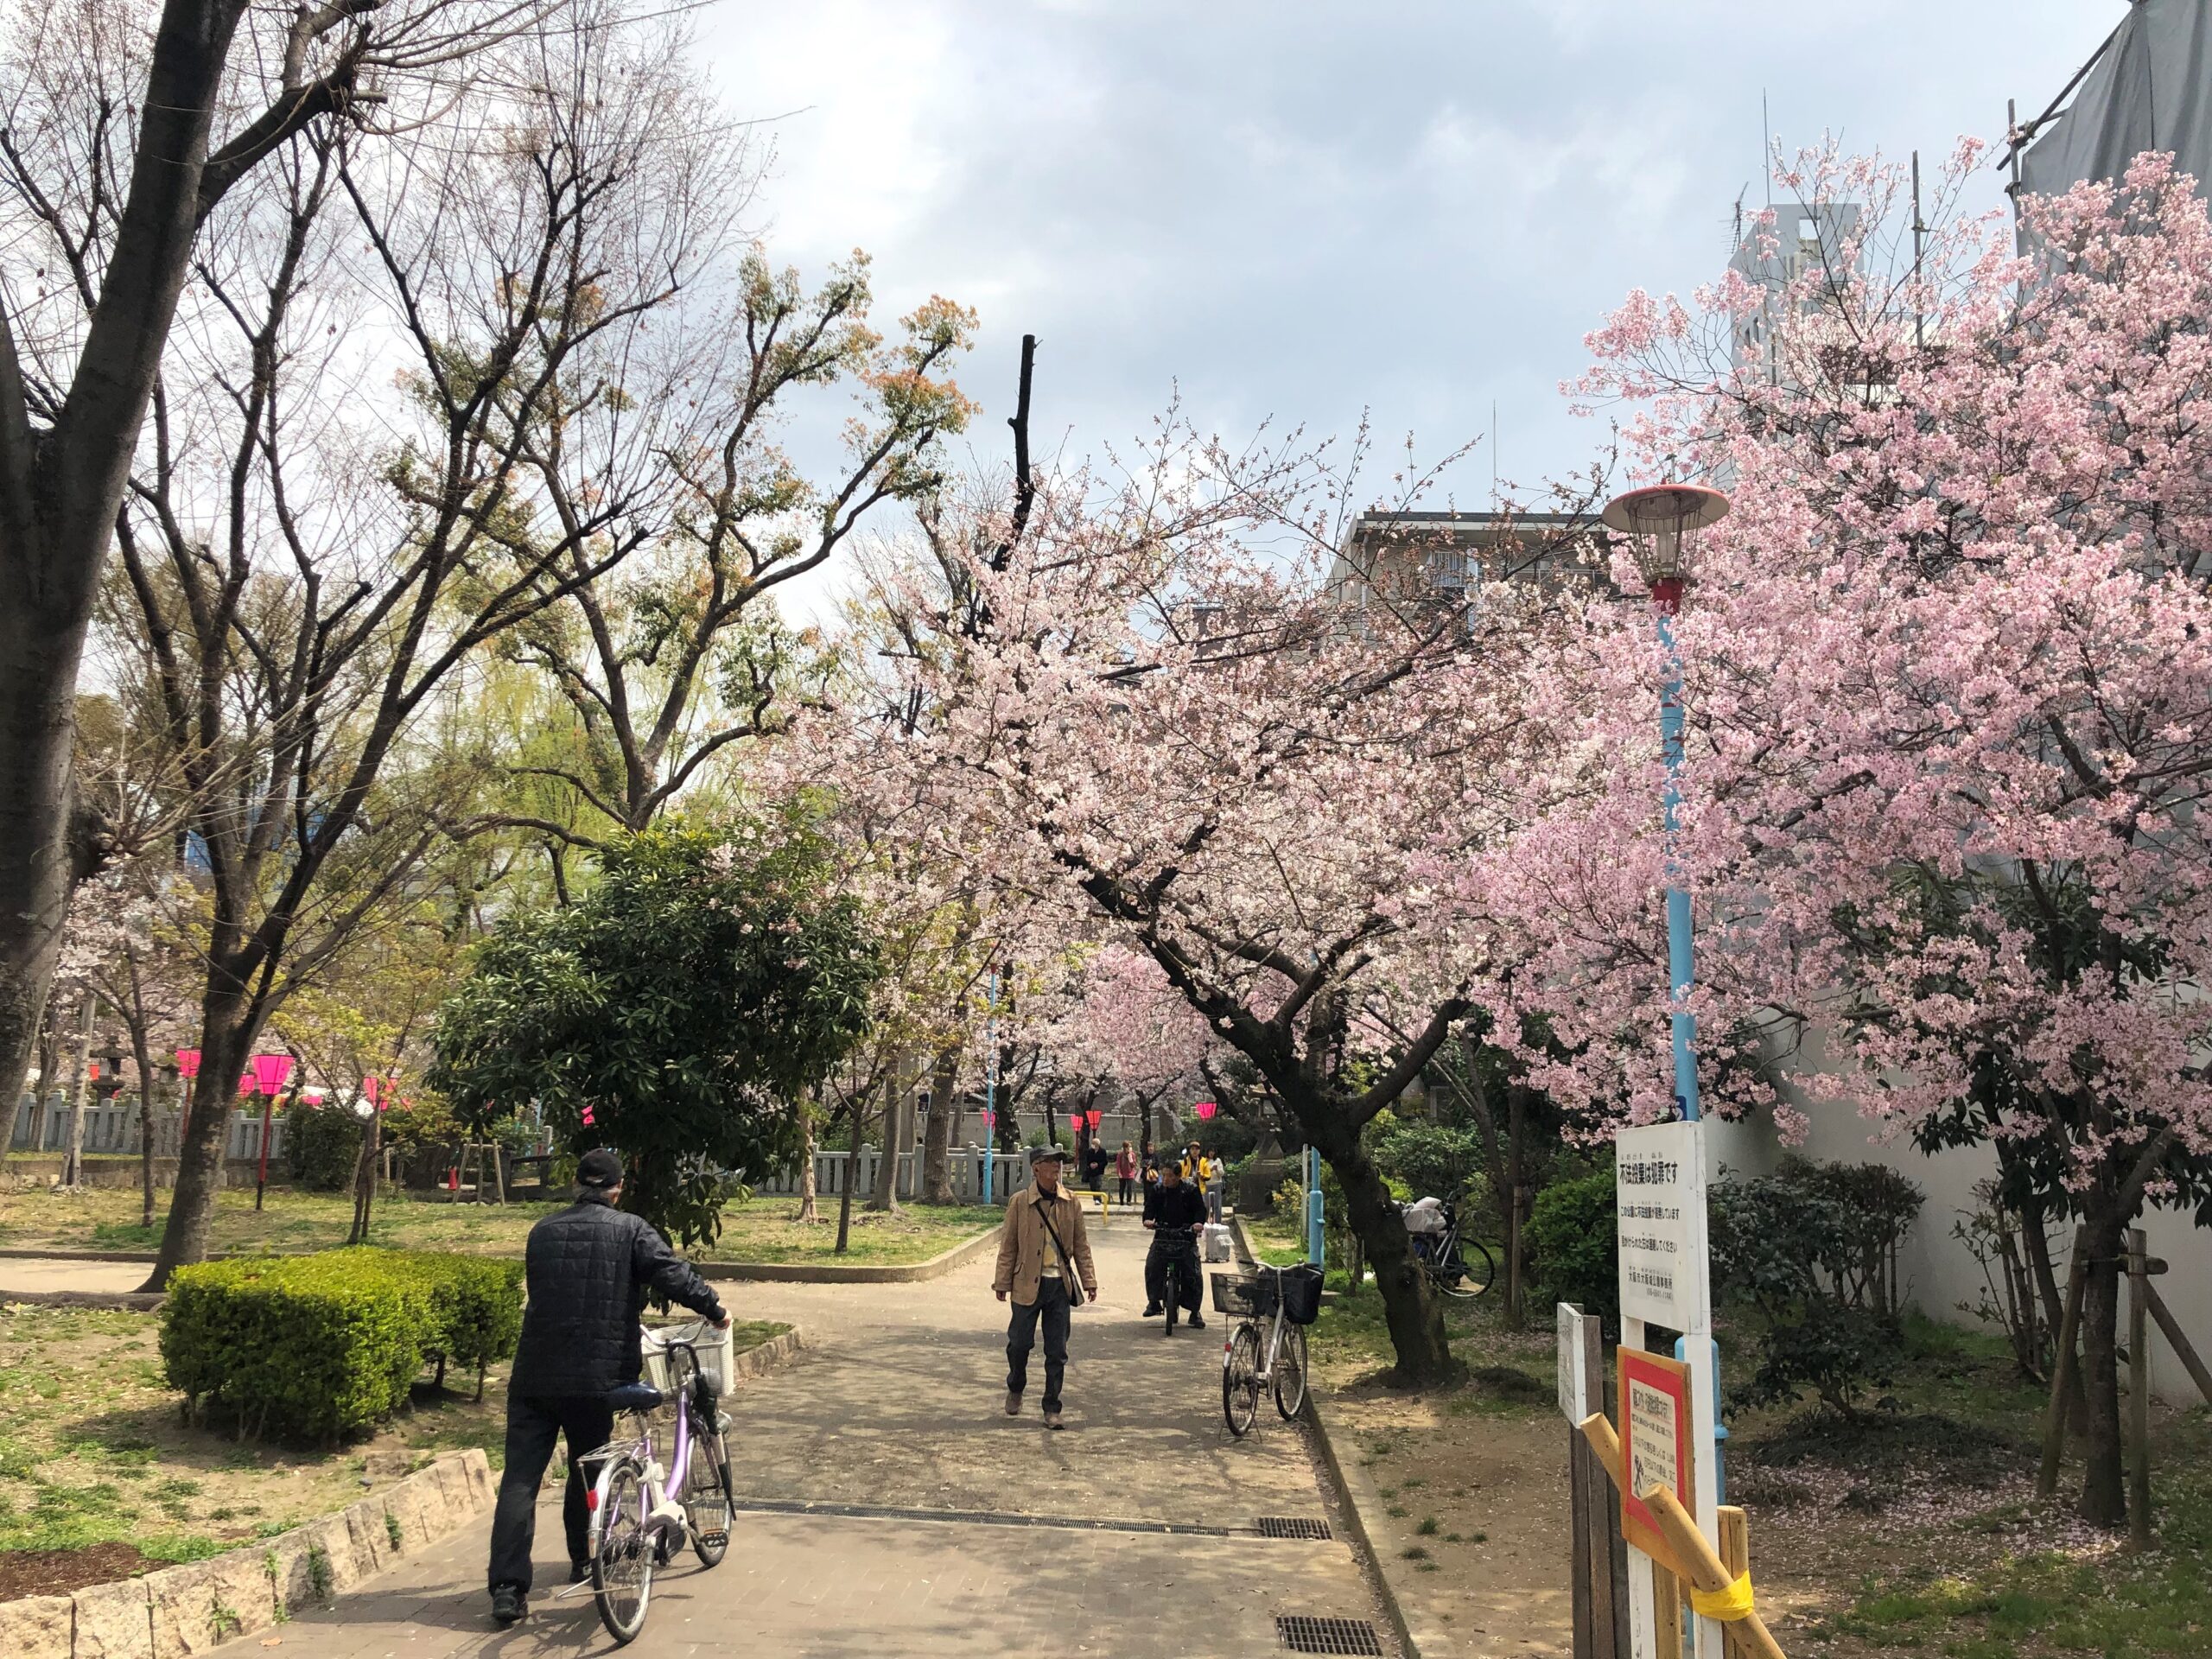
(715, 1539)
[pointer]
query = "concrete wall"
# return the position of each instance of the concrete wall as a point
(1940, 1277)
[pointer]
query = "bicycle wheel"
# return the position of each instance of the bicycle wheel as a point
(1240, 1381)
(709, 1498)
(1290, 1372)
(622, 1570)
(1467, 1271)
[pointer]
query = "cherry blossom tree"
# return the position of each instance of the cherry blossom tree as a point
(1948, 672)
(1157, 705)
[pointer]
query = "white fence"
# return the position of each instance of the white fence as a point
(43, 1126)
(963, 1164)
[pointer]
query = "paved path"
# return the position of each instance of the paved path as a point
(42, 1274)
(939, 1525)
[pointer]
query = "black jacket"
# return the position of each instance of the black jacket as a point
(589, 1268)
(1177, 1209)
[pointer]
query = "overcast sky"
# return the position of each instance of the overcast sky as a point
(1299, 211)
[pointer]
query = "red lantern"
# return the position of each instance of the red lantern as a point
(270, 1070)
(1096, 1117)
(187, 1062)
(1206, 1109)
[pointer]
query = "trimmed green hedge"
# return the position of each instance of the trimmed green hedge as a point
(318, 1346)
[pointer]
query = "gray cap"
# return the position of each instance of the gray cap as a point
(1046, 1155)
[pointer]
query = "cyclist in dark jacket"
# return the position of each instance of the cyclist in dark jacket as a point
(590, 1267)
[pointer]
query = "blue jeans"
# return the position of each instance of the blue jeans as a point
(1052, 1304)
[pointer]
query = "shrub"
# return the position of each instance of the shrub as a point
(1429, 1159)
(1569, 1239)
(322, 1147)
(1812, 1250)
(315, 1347)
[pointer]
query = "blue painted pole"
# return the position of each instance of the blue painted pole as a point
(1679, 966)
(1315, 1246)
(991, 1090)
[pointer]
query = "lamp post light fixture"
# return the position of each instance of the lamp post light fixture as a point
(1663, 519)
(270, 1071)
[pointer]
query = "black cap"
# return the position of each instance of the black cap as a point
(1046, 1155)
(599, 1168)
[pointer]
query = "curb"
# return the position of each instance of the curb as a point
(1347, 1503)
(820, 1273)
(139, 1301)
(188, 1609)
(791, 1272)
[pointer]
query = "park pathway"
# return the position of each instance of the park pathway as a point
(889, 1508)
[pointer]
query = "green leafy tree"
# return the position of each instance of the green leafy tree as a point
(677, 1012)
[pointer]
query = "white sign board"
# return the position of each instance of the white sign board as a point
(1574, 1366)
(1659, 1189)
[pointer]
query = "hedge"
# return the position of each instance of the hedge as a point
(315, 1347)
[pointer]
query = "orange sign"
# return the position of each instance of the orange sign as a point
(1655, 1445)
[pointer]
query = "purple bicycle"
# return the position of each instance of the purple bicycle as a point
(640, 1517)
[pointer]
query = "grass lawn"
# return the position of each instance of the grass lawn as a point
(758, 1230)
(1278, 1238)
(93, 1451)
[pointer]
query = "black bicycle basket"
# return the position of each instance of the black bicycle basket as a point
(1300, 1288)
(1235, 1296)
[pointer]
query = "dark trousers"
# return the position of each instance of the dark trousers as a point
(1171, 1271)
(1128, 1190)
(533, 1423)
(1051, 1307)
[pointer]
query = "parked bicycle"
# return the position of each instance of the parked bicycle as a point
(1456, 1264)
(639, 1518)
(1281, 1302)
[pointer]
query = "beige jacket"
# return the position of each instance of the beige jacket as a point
(1024, 1248)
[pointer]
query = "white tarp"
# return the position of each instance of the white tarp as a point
(2149, 89)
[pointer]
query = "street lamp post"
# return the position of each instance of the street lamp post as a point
(1662, 519)
(991, 1089)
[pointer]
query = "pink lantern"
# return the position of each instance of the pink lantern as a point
(1095, 1117)
(187, 1062)
(245, 1084)
(270, 1070)
(312, 1097)
(1206, 1109)
(990, 1119)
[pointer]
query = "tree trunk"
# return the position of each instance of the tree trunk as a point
(1517, 1139)
(364, 1179)
(144, 1061)
(886, 1200)
(852, 1176)
(228, 1029)
(937, 1142)
(1414, 1315)
(2104, 1488)
(809, 1210)
(72, 1158)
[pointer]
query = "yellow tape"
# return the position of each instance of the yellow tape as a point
(1727, 1605)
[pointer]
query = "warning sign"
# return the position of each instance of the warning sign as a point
(1659, 1197)
(1655, 1445)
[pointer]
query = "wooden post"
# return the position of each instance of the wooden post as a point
(1735, 1542)
(1706, 1572)
(1667, 1613)
(2138, 1392)
(1598, 1563)
(2062, 1370)
(2178, 1340)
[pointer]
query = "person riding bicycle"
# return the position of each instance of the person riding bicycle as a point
(589, 1268)
(1174, 1211)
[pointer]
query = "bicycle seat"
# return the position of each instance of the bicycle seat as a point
(636, 1397)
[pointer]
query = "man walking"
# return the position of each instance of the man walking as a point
(589, 1268)
(1045, 1267)
(1174, 1212)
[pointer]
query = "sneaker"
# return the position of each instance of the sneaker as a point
(579, 1570)
(1052, 1421)
(1153, 1310)
(508, 1604)
(1012, 1403)
(1196, 1324)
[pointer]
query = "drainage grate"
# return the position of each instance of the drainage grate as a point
(1293, 1526)
(1300, 1634)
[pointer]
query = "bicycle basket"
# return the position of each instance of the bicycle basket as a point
(1235, 1295)
(1300, 1290)
(709, 1346)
